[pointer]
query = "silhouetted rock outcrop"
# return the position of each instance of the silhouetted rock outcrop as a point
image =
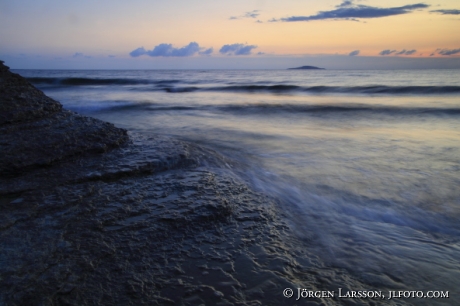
(306, 68)
(36, 131)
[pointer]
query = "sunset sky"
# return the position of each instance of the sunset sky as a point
(207, 34)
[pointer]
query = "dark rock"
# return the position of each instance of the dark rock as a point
(36, 131)
(20, 101)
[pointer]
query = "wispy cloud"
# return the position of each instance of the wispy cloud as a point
(354, 53)
(395, 52)
(404, 52)
(387, 52)
(345, 3)
(347, 10)
(237, 49)
(80, 55)
(167, 50)
(448, 52)
(447, 12)
(252, 14)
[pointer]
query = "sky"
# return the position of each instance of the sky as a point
(238, 34)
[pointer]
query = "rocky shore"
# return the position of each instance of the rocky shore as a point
(91, 214)
(94, 215)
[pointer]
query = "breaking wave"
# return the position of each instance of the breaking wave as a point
(180, 86)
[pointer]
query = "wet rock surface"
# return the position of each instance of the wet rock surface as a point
(89, 217)
(177, 236)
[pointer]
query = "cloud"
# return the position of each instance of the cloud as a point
(345, 3)
(237, 49)
(410, 52)
(79, 54)
(138, 52)
(354, 53)
(387, 52)
(447, 12)
(167, 50)
(207, 51)
(402, 52)
(347, 10)
(252, 14)
(448, 52)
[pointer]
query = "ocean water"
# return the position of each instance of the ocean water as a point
(366, 164)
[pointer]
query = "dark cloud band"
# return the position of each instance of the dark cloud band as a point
(448, 52)
(395, 52)
(447, 12)
(347, 10)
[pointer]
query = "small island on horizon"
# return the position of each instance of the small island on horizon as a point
(306, 68)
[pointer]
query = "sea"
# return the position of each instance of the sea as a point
(364, 163)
